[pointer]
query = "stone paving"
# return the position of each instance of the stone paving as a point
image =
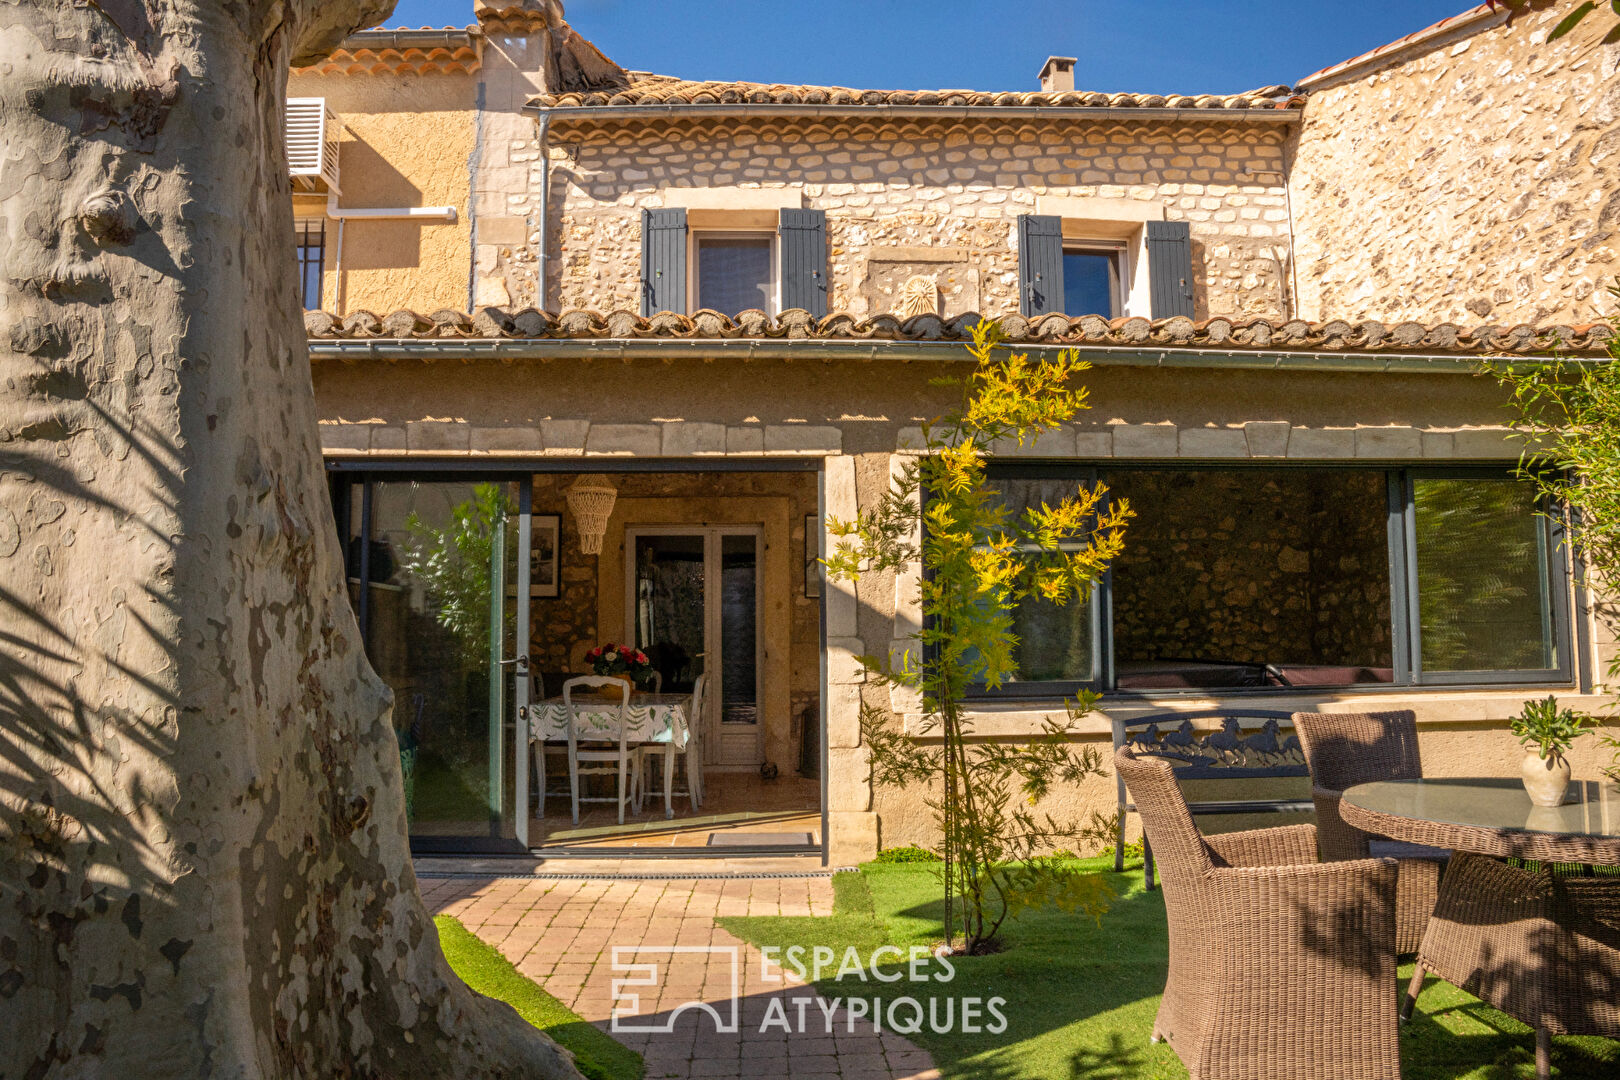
(563, 933)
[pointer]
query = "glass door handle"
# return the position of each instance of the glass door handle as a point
(524, 660)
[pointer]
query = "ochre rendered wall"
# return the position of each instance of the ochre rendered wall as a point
(407, 142)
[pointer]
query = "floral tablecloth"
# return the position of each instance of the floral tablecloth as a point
(652, 718)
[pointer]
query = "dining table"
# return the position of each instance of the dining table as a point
(1528, 913)
(652, 721)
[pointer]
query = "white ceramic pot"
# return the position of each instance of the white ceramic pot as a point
(1546, 779)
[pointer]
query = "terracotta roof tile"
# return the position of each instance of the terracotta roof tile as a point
(649, 89)
(1450, 24)
(458, 61)
(1220, 332)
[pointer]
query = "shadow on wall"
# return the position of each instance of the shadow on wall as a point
(1200, 280)
(370, 180)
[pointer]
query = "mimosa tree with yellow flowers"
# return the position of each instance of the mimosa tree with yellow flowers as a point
(979, 562)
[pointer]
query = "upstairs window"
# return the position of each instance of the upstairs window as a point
(1081, 266)
(734, 272)
(1091, 280)
(733, 261)
(311, 241)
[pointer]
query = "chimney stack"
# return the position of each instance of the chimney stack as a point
(1057, 75)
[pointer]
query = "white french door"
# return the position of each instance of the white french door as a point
(693, 604)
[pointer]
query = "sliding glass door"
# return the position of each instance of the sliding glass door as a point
(437, 577)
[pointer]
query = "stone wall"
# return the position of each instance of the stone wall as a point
(937, 200)
(1473, 180)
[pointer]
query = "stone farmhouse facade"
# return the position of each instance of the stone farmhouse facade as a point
(732, 300)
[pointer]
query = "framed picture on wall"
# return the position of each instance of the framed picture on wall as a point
(544, 543)
(812, 557)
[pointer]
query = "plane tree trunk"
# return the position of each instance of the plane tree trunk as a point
(203, 863)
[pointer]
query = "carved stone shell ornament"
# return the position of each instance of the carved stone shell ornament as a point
(918, 296)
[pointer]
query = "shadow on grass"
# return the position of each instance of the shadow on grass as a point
(1454, 1035)
(1080, 996)
(482, 967)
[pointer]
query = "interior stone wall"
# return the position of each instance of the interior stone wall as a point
(1472, 181)
(937, 187)
(1257, 566)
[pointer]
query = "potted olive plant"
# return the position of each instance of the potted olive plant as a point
(1547, 732)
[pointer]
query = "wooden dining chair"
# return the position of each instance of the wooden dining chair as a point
(691, 751)
(1346, 749)
(590, 745)
(541, 747)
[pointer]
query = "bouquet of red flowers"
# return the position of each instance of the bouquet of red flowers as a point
(611, 659)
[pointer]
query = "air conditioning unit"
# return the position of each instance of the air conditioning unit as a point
(312, 145)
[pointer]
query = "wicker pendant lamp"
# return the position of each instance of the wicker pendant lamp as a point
(590, 500)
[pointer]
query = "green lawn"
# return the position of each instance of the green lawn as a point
(1081, 997)
(598, 1055)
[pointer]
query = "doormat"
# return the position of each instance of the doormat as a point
(760, 839)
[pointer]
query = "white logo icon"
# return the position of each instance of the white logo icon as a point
(645, 973)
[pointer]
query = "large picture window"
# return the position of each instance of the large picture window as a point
(1278, 578)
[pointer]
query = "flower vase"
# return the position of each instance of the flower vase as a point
(1546, 779)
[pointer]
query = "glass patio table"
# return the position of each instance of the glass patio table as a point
(1491, 816)
(1528, 914)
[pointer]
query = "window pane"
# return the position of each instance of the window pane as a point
(1054, 641)
(311, 236)
(1484, 601)
(1252, 578)
(670, 612)
(734, 274)
(440, 614)
(739, 608)
(1088, 283)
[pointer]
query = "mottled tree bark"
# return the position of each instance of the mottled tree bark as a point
(203, 865)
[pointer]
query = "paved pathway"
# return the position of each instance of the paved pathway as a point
(563, 934)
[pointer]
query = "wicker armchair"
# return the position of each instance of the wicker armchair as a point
(1540, 942)
(1346, 749)
(1280, 966)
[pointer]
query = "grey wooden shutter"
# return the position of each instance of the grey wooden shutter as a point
(803, 252)
(663, 261)
(1040, 264)
(1170, 273)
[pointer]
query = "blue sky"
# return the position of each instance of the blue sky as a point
(1164, 46)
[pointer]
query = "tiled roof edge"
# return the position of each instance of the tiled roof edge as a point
(429, 50)
(1463, 24)
(677, 93)
(1219, 332)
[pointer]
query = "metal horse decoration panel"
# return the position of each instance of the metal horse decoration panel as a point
(1224, 754)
